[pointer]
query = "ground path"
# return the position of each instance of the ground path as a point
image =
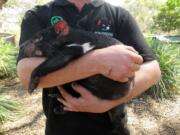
(145, 117)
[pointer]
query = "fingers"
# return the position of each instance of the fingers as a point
(135, 54)
(68, 101)
(135, 67)
(81, 90)
(70, 109)
(65, 95)
(67, 106)
(123, 80)
(90, 104)
(64, 102)
(131, 73)
(137, 59)
(73, 103)
(78, 88)
(126, 79)
(132, 49)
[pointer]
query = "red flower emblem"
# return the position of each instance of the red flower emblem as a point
(61, 27)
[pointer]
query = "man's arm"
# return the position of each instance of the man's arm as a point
(148, 74)
(59, 77)
(95, 62)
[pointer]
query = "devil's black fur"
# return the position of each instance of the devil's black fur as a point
(60, 49)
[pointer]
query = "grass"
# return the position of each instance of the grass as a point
(168, 56)
(8, 59)
(9, 109)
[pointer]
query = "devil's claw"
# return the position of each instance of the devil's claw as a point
(33, 84)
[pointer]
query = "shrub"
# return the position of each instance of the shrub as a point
(168, 56)
(7, 60)
(9, 109)
(167, 19)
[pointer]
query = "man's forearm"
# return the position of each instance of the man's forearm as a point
(148, 75)
(74, 71)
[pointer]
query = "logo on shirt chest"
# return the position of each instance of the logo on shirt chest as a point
(104, 27)
(55, 19)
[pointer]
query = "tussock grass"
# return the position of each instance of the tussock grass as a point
(9, 109)
(8, 53)
(168, 56)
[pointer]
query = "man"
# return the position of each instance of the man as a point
(116, 62)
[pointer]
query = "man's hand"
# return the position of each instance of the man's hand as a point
(86, 102)
(118, 62)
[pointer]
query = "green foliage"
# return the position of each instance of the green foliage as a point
(168, 17)
(7, 60)
(12, 3)
(143, 12)
(168, 56)
(9, 109)
(173, 3)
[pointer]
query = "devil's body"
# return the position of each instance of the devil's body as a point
(62, 49)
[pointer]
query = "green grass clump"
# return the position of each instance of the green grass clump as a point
(9, 109)
(168, 56)
(8, 54)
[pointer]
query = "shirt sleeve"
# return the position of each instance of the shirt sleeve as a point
(130, 34)
(30, 25)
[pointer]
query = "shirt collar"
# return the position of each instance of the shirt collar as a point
(95, 3)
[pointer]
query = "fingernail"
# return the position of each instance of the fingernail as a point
(65, 109)
(59, 99)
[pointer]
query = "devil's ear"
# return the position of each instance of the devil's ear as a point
(61, 27)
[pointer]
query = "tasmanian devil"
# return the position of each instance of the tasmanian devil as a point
(61, 44)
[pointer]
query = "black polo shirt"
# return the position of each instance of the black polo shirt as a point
(100, 18)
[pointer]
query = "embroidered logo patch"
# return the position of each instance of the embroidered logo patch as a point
(55, 19)
(104, 24)
(104, 27)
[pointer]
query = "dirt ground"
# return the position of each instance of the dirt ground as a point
(145, 117)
